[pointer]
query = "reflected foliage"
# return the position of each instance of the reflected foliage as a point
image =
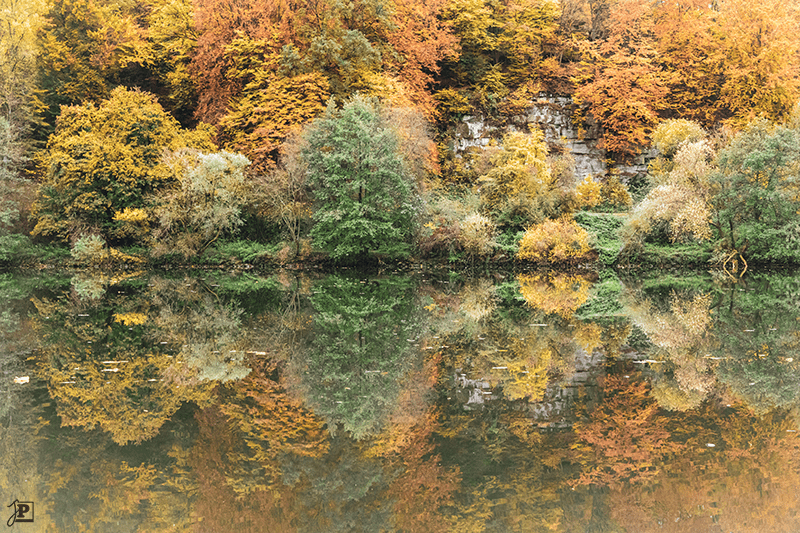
(364, 337)
(403, 403)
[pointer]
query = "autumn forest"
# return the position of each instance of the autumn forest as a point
(265, 131)
(400, 266)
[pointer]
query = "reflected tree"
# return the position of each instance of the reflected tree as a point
(364, 337)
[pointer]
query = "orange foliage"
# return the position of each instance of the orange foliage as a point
(421, 39)
(554, 241)
(425, 486)
(218, 23)
(562, 294)
(624, 439)
(690, 52)
(623, 86)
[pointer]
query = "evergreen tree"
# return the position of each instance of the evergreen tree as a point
(362, 185)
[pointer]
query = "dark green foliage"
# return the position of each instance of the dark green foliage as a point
(239, 250)
(363, 342)
(363, 190)
(757, 328)
(756, 191)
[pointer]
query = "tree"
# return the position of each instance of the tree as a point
(172, 38)
(19, 23)
(205, 202)
(270, 105)
(104, 159)
(363, 189)
(519, 188)
(420, 39)
(755, 192)
(622, 82)
(86, 48)
(691, 51)
(761, 47)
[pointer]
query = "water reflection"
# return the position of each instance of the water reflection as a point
(301, 402)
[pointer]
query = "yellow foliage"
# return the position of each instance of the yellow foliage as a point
(554, 241)
(521, 98)
(561, 294)
(527, 378)
(132, 215)
(588, 335)
(130, 319)
(135, 223)
(588, 192)
(452, 103)
(671, 134)
(519, 169)
(615, 193)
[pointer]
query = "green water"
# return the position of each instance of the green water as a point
(405, 401)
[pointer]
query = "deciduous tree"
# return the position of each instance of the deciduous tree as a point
(105, 158)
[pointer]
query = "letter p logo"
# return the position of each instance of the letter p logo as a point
(23, 512)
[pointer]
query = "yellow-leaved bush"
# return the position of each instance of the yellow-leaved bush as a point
(561, 294)
(588, 192)
(519, 180)
(555, 241)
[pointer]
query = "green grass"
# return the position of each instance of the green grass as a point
(683, 255)
(604, 231)
(17, 249)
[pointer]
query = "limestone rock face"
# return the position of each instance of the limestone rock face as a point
(554, 116)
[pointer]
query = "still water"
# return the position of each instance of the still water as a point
(400, 402)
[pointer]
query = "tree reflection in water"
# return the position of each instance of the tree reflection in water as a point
(296, 402)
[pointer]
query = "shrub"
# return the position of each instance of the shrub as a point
(105, 158)
(519, 187)
(588, 192)
(477, 235)
(440, 233)
(671, 134)
(615, 193)
(555, 241)
(204, 203)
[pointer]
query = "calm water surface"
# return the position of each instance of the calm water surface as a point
(402, 402)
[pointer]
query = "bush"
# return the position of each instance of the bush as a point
(477, 235)
(589, 192)
(440, 233)
(555, 241)
(671, 134)
(615, 194)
